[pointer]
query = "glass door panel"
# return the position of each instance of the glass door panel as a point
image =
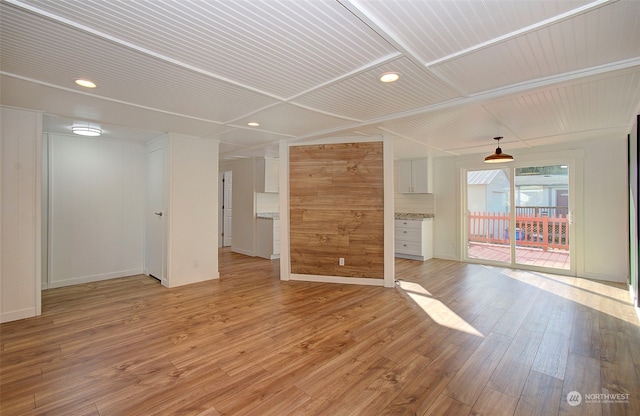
(542, 216)
(488, 215)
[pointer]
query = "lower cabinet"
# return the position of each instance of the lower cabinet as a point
(268, 238)
(414, 239)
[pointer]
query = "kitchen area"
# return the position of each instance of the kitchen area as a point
(414, 209)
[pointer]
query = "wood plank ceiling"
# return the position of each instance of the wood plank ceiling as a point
(535, 72)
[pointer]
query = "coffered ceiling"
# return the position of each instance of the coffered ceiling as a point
(535, 72)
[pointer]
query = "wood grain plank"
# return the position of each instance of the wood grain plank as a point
(468, 383)
(252, 344)
(583, 376)
(541, 396)
(513, 370)
(416, 397)
(554, 347)
(447, 406)
(494, 403)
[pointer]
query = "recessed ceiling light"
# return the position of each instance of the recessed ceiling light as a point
(86, 131)
(389, 77)
(85, 83)
(253, 124)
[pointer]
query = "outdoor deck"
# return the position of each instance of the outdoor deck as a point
(556, 258)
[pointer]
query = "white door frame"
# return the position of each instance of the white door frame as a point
(574, 160)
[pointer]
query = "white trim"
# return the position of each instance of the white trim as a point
(389, 212)
(38, 215)
(574, 158)
(19, 314)
(244, 252)
(604, 277)
(96, 278)
(388, 279)
(285, 256)
(337, 279)
(336, 140)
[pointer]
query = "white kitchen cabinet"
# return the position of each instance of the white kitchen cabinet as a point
(267, 175)
(414, 177)
(414, 238)
(268, 238)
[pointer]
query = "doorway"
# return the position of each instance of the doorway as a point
(155, 218)
(520, 217)
(226, 208)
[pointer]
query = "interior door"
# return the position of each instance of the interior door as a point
(155, 216)
(227, 209)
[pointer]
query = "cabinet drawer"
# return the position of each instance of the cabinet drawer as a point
(408, 224)
(408, 247)
(409, 234)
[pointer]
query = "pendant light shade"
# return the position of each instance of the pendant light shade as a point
(498, 156)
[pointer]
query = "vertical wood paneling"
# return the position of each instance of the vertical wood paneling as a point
(336, 209)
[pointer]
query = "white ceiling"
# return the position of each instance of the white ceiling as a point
(535, 72)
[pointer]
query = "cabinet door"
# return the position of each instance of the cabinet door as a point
(271, 175)
(420, 176)
(267, 178)
(404, 177)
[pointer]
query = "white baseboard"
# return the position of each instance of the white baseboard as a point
(18, 314)
(604, 277)
(445, 257)
(245, 252)
(94, 278)
(337, 279)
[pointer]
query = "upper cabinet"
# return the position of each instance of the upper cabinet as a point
(414, 177)
(267, 173)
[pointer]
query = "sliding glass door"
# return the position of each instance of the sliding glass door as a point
(489, 215)
(519, 216)
(542, 216)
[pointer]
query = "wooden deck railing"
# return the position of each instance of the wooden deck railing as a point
(543, 232)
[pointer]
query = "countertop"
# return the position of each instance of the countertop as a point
(268, 215)
(412, 216)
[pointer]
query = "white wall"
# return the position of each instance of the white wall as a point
(414, 203)
(96, 192)
(20, 214)
(192, 252)
(267, 202)
(601, 245)
(244, 207)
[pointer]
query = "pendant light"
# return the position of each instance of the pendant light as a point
(498, 156)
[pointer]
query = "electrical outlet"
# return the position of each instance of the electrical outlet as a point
(341, 261)
(195, 264)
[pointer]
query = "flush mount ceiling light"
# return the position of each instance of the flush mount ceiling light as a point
(86, 131)
(85, 83)
(253, 124)
(498, 156)
(389, 77)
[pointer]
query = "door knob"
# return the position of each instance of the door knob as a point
(159, 214)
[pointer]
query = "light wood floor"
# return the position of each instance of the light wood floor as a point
(451, 338)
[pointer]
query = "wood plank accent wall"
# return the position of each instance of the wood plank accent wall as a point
(336, 194)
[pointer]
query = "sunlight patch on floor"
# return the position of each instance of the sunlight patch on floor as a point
(437, 310)
(602, 297)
